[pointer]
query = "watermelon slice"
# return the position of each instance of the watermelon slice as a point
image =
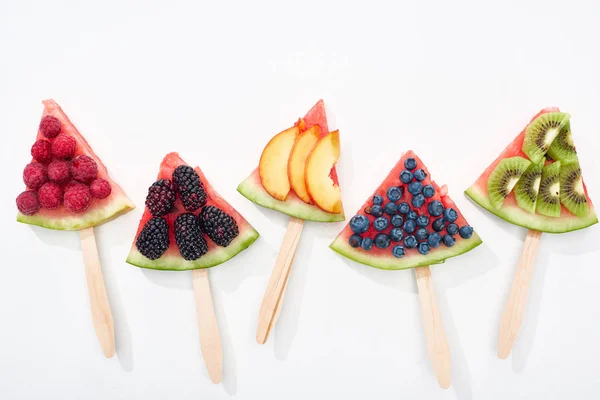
(252, 189)
(384, 258)
(172, 259)
(510, 210)
(99, 210)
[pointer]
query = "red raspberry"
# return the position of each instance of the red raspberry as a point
(27, 203)
(50, 195)
(35, 175)
(63, 147)
(59, 172)
(41, 151)
(50, 126)
(100, 189)
(77, 197)
(84, 169)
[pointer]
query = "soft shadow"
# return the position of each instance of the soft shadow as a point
(465, 267)
(583, 241)
(230, 381)
(181, 280)
(234, 272)
(65, 239)
(398, 279)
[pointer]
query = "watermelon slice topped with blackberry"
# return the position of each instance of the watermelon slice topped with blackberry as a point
(408, 222)
(186, 224)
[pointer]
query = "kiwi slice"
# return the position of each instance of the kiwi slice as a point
(563, 149)
(572, 194)
(541, 132)
(504, 178)
(527, 189)
(548, 201)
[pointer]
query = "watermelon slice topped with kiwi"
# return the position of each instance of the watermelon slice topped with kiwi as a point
(536, 182)
(186, 224)
(67, 186)
(409, 222)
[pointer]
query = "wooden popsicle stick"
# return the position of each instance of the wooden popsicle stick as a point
(210, 339)
(277, 283)
(279, 305)
(517, 299)
(437, 345)
(101, 314)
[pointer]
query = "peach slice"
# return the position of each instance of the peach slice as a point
(322, 189)
(274, 161)
(301, 124)
(297, 162)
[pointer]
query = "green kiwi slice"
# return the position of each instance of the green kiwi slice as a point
(563, 149)
(541, 132)
(528, 187)
(504, 178)
(548, 201)
(572, 195)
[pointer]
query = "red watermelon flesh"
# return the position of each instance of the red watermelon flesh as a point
(383, 258)
(171, 259)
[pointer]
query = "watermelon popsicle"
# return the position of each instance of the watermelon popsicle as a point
(68, 188)
(536, 183)
(296, 176)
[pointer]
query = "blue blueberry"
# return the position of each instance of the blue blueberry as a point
(422, 220)
(380, 223)
(452, 229)
(377, 200)
(418, 200)
(410, 163)
(394, 193)
(359, 224)
(423, 248)
(355, 240)
(422, 233)
(412, 214)
(415, 188)
(420, 175)
(403, 208)
(434, 239)
(398, 251)
(406, 176)
(448, 240)
(391, 208)
(382, 241)
(438, 225)
(428, 191)
(367, 244)
(410, 226)
(397, 221)
(410, 242)
(450, 214)
(465, 232)
(396, 234)
(435, 208)
(376, 211)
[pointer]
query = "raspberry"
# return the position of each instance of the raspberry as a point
(100, 189)
(219, 226)
(50, 126)
(50, 195)
(77, 197)
(41, 151)
(153, 240)
(188, 237)
(63, 147)
(35, 175)
(160, 198)
(84, 169)
(59, 172)
(27, 203)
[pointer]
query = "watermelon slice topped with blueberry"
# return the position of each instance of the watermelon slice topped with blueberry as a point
(408, 222)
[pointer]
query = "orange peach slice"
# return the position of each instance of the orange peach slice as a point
(325, 193)
(297, 162)
(274, 161)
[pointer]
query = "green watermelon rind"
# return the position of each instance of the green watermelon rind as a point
(518, 216)
(389, 262)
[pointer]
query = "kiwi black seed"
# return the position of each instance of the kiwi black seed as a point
(541, 132)
(572, 193)
(527, 189)
(504, 178)
(563, 149)
(548, 201)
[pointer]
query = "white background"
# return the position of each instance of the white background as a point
(455, 81)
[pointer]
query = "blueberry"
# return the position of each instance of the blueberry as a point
(397, 221)
(438, 225)
(403, 208)
(376, 211)
(422, 220)
(420, 175)
(450, 214)
(367, 244)
(355, 240)
(412, 214)
(418, 200)
(410, 226)
(394, 193)
(452, 229)
(396, 234)
(359, 224)
(435, 208)
(391, 208)
(367, 210)
(380, 223)
(448, 240)
(410, 163)
(465, 232)
(423, 248)
(377, 200)
(434, 239)
(428, 191)
(406, 176)
(415, 188)
(398, 251)
(382, 241)
(422, 233)
(410, 242)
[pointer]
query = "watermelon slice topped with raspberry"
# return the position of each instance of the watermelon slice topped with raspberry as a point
(186, 224)
(67, 186)
(409, 222)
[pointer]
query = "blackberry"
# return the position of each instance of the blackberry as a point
(153, 240)
(191, 190)
(188, 237)
(193, 199)
(219, 226)
(160, 198)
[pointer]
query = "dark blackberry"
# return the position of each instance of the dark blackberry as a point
(188, 237)
(160, 198)
(190, 188)
(194, 199)
(153, 240)
(219, 226)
